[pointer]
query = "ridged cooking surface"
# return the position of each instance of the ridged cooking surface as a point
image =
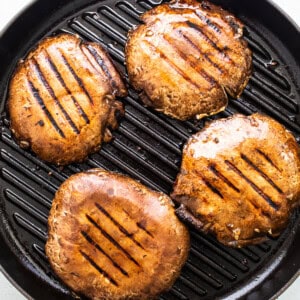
(147, 146)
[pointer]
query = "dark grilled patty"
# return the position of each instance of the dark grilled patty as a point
(185, 56)
(239, 179)
(62, 99)
(110, 237)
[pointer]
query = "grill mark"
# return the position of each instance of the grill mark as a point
(208, 22)
(222, 177)
(173, 66)
(214, 64)
(111, 239)
(209, 185)
(267, 158)
(92, 242)
(103, 66)
(252, 184)
(64, 85)
(40, 101)
(120, 227)
(100, 270)
(210, 41)
(92, 63)
(264, 175)
(51, 92)
(77, 78)
(186, 58)
(139, 225)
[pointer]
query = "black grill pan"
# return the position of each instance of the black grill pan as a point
(147, 146)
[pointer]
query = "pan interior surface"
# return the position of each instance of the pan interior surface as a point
(147, 146)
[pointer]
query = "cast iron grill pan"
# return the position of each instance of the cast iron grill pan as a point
(147, 146)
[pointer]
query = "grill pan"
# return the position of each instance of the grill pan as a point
(147, 146)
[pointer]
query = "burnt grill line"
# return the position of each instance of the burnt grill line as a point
(64, 85)
(186, 58)
(213, 169)
(208, 22)
(92, 63)
(103, 66)
(253, 185)
(264, 175)
(267, 158)
(35, 93)
(51, 92)
(210, 41)
(209, 185)
(77, 78)
(98, 268)
(96, 245)
(120, 227)
(173, 65)
(138, 224)
(112, 240)
(214, 64)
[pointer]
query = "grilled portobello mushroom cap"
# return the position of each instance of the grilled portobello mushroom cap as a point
(110, 237)
(239, 179)
(186, 56)
(62, 99)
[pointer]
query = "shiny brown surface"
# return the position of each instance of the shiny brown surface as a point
(62, 99)
(110, 237)
(185, 56)
(239, 179)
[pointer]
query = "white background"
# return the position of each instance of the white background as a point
(9, 9)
